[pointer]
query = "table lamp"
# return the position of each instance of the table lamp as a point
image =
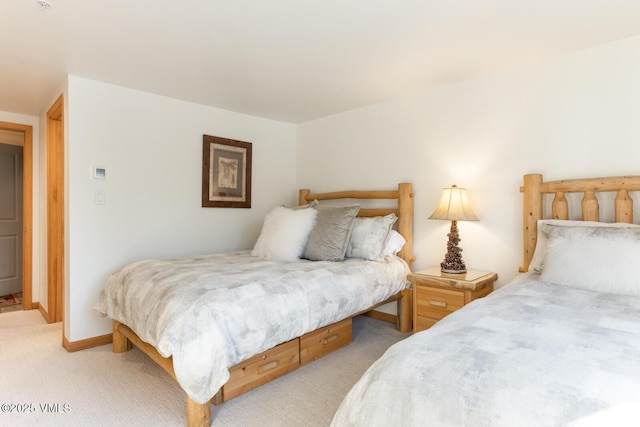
(453, 206)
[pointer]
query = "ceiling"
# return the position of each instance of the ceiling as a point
(288, 60)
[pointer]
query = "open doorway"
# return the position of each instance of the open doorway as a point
(17, 215)
(52, 310)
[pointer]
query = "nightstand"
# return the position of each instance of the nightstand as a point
(437, 294)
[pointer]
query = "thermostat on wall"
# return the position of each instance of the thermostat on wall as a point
(100, 172)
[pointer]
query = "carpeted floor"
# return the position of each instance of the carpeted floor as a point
(99, 388)
(11, 302)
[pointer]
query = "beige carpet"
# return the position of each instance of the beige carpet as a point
(98, 388)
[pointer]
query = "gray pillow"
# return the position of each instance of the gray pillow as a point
(330, 235)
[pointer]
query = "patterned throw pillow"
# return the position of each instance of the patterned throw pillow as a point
(369, 236)
(330, 235)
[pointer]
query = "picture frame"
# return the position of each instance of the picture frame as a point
(226, 173)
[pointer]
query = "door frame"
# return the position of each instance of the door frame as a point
(27, 211)
(55, 211)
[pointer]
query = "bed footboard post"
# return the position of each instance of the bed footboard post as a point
(120, 342)
(198, 414)
(405, 307)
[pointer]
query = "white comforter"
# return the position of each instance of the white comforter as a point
(211, 312)
(533, 354)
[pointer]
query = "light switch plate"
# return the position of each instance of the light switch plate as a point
(100, 197)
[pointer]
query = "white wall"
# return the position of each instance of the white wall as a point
(32, 121)
(574, 116)
(152, 148)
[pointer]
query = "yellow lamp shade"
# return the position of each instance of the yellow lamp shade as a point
(454, 206)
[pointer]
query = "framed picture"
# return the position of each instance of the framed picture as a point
(226, 173)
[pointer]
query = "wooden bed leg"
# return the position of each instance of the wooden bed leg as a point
(198, 414)
(405, 306)
(120, 342)
(217, 398)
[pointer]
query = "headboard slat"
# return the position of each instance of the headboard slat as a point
(624, 207)
(560, 207)
(590, 207)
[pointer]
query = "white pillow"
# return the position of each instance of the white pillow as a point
(284, 234)
(393, 243)
(594, 258)
(368, 237)
(546, 225)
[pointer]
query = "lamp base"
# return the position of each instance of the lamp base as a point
(453, 263)
(448, 271)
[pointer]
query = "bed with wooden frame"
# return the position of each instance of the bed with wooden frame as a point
(199, 414)
(559, 345)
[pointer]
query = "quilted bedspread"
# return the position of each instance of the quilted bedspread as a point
(211, 312)
(530, 354)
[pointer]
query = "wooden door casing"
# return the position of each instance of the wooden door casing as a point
(55, 211)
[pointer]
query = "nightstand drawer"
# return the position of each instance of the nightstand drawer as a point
(437, 303)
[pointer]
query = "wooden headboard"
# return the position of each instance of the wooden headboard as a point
(535, 188)
(404, 209)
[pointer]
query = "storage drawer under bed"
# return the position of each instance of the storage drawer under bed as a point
(262, 368)
(322, 341)
(285, 358)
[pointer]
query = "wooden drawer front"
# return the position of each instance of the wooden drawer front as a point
(437, 303)
(423, 323)
(322, 341)
(262, 368)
